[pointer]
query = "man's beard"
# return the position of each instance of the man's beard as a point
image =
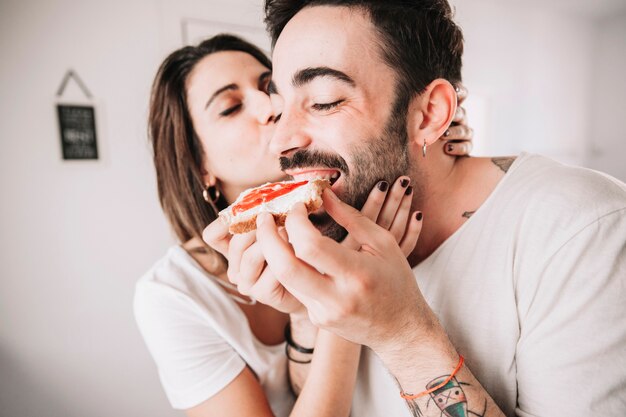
(376, 159)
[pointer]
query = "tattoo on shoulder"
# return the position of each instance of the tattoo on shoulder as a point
(503, 163)
(469, 214)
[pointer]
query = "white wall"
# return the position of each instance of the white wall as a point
(75, 236)
(608, 108)
(529, 68)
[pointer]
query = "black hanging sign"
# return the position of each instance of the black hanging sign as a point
(77, 124)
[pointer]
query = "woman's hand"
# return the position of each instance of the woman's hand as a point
(459, 136)
(391, 210)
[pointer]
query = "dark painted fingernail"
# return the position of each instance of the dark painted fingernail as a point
(383, 185)
(418, 216)
(450, 147)
(409, 190)
(404, 182)
(447, 133)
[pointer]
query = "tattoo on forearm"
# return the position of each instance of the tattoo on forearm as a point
(503, 163)
(469, 214)
(449, 400)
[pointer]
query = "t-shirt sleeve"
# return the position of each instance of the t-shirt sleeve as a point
(194, 362)
(571, 355)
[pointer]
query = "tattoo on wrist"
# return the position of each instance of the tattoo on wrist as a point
(503, 163)
(469, 214)
(448, 400)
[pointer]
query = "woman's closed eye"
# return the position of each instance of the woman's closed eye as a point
(231, 110)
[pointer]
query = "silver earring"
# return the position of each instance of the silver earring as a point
(424, 149)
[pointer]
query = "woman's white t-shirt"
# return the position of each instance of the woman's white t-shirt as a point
(199, 338)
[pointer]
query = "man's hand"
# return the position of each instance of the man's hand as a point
(388, 206)
(367, 295)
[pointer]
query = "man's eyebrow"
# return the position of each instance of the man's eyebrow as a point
(306, 75)
(220, 91)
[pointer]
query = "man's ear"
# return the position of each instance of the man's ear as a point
(431, 113)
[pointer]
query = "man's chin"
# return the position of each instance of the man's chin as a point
(327, 226)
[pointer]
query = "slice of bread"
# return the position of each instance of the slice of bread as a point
(310, 194)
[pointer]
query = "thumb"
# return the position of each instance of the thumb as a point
(217, 236)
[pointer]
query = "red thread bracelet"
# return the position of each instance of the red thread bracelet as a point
(448, 379)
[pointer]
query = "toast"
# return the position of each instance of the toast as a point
(276, 198)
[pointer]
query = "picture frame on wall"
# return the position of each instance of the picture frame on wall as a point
(76, 121)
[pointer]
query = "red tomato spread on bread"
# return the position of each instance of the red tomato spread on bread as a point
(264, 194)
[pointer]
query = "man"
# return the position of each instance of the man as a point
(521, 263)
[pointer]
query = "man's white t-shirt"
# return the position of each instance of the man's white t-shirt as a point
(199, 338)
(532, 291)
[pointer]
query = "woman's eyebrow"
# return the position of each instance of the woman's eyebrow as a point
(229, 87)
(264, 77)
(271, 88)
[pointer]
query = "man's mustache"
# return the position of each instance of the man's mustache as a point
(305, 159)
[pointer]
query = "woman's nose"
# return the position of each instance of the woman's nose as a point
(262, 108)
(289, 135)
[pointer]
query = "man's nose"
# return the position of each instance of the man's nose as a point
(289, 135)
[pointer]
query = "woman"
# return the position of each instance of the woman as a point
(219, 352)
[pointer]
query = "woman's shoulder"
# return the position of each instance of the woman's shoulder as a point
(178, 279)
(175, 269)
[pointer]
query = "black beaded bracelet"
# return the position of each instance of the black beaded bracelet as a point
(293, 344)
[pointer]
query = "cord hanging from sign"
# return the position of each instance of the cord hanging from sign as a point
(71, 74)
(77, 123)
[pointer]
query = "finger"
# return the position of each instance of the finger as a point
(460, 116)
(217, 236)
(270, 291)
(458, 148)
(362, 229)
(399, 226)
(238, 245)
(458, 132)
(392, 202)
(375, 200)
(461, 93)
(371, 209)
(252, 266)
(321, 252)
(296, 276)
(283, 234)
(412, 234)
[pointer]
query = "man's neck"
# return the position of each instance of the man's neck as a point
(450, 194)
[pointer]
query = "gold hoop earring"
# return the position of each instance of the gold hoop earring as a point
(424, 149)
(211, 194)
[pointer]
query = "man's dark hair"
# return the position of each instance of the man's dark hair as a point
(418, 38)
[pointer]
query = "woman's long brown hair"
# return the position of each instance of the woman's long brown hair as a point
(178, 153)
